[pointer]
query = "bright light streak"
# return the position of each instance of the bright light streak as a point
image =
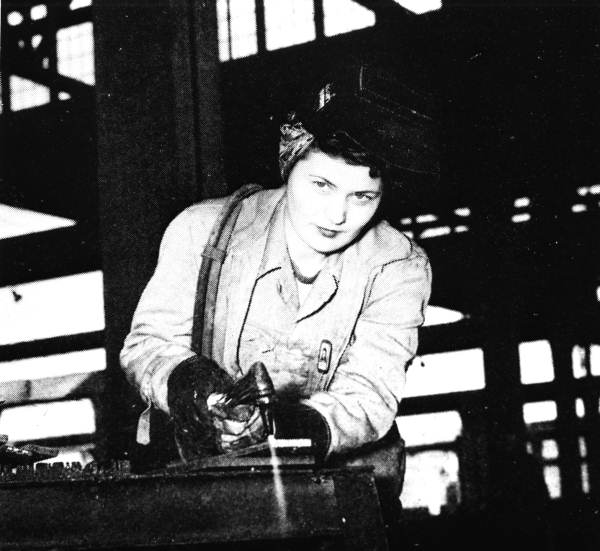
(438, 315)
(15, 221)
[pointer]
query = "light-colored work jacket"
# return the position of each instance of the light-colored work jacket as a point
(348, 344)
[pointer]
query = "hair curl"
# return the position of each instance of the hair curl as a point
(340, 145)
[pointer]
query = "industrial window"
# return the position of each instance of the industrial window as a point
(539, 412)
(586, 361)
(342, 16)
(431, 481)
(585, 479)
(429, 225)
(289, 23)
(25, 93)
(14, 18)
(446, 372)
(75, 52)
(236, 20)
(81, 362)
(549, 449)
(430, 428)
(536, 362)
(56, 419)
(51, 308)
(76, 4)
(38, 12)
(579, 408)
(285, 23)
(552, 479)
(432, 466)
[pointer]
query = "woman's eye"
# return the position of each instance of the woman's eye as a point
(363, 197)
(321, 185)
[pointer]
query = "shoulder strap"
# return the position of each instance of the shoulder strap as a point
(213, 257)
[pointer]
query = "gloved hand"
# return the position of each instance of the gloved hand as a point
(298, 420)
(236, 427)
(189, 386)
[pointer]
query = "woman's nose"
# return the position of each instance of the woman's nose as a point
(337, 211)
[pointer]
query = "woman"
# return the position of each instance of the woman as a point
(314, 285)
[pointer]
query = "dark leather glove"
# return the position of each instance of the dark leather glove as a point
(189, 385)
(297, 420)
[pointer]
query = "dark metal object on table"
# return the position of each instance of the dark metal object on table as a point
(12, 455)
(111, 507)
(282, 453)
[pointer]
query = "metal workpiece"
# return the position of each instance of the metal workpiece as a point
(25, 454)
(102, 508)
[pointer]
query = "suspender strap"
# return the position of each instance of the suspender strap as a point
(213, 257)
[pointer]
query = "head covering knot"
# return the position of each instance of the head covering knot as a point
(293, 142)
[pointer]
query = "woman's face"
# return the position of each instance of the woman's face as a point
(330, 201)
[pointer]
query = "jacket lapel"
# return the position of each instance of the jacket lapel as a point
(247, 249)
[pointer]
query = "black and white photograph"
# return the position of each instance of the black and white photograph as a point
(287, 275)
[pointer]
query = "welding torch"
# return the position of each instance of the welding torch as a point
(255, 389)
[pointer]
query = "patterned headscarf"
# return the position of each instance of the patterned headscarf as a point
(293, 143)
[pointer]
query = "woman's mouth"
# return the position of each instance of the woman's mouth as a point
(325, 232)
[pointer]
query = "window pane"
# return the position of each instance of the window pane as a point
(75, 52)
(579, 407)
(595, 359)
(431, 481)
(50, 308)
(549, 449)
(446, 372)
(430, 428)
(578, 361)
(536, 362)
(539, 412)
(58, 365)
(76, 4)
(236, 20)
(38, 12)
(25, 93)
(582, 446)
(552, 478)
(288, 23)
(585, 479)
(342, 16)
(48, 420)
(14, 18)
